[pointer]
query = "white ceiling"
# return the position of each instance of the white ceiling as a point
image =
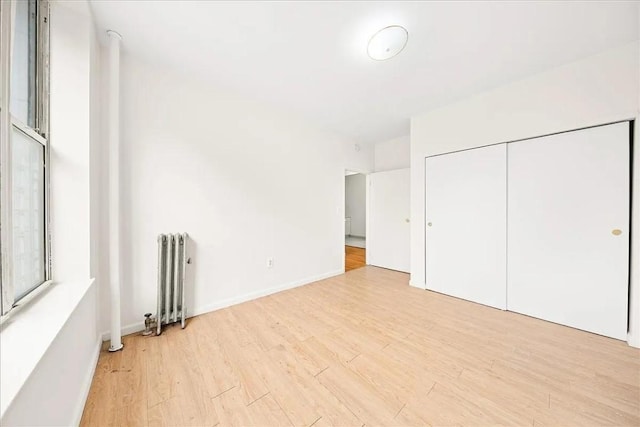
(310, 57)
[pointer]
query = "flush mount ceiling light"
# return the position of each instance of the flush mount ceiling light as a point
(387, 43)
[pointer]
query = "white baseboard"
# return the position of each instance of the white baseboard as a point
(417, 285)
(633, 340)
(261, 293)
(125, 330)
(86, 383)
(139, 326)
(132, 328)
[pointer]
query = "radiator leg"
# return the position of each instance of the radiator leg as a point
(183, 277)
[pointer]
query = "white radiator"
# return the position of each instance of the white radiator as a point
(172, 266)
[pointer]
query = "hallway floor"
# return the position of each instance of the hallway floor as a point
(354, 258)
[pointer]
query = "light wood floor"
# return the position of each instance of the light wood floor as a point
(365, 348)
(354, 258)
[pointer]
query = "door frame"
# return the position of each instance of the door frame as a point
(344, 210)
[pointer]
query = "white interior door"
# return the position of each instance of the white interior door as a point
(568, 228)
(466, 211)
(389, 235)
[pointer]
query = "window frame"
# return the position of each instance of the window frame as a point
(39, 133)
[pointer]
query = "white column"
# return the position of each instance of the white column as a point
(113, 127)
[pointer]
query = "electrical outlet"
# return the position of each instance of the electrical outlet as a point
(269, 262)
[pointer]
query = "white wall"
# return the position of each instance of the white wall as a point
(392, 154)
(356, 203)
(246, 182)
(71, 35)
(595, 90)
(358, 157)
(53, 343)
(98, 190)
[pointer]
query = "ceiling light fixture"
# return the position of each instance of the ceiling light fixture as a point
(387, 43)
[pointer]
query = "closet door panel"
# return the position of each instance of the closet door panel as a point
(466, 224)
(568, 228)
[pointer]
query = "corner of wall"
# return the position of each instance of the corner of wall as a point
(358, 157)
(392, 154)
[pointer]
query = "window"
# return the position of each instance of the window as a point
(24, 149)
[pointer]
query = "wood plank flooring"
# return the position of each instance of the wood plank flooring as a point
(354, 258)
(364, 348)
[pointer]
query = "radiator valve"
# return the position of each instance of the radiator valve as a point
(149, 324)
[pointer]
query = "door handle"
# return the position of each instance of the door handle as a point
(616, 232)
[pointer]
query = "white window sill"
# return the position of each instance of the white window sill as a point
(27, 335)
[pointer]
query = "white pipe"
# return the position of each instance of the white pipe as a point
(114, 187)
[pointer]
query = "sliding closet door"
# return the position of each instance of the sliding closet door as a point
(568, 228)
(466, 224)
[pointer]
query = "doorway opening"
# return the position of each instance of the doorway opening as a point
(355, 229)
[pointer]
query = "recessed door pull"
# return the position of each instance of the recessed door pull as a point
(616, 232)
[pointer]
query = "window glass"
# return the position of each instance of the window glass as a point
(23, 63)
(27, 176)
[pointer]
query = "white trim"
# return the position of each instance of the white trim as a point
(358, 236)
(126, 330)
(417, 285)
(139, 326)
(86, 384)
(633, 335)
(633, 339)
(30, 132)
(367, 217)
